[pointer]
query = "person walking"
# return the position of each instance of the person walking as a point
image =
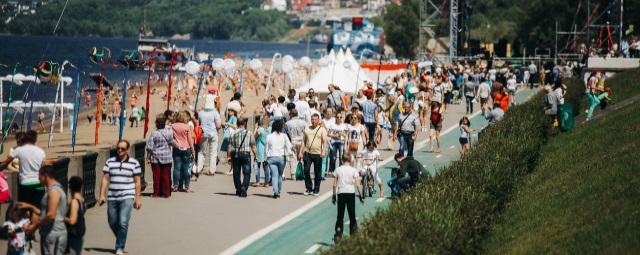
(295, 130)
(407, 129)
(76, 227)
(436, 119)
(345, 185)
(369, 112)
(337, 135)
(183, 152)
(30, 158)
(135, 116)
(122, 179)
(311, 152)
(210, 122)
(260, 135)
(50, 217)
(241, 146)
(276, 148)
(465, 135)
(159, 156)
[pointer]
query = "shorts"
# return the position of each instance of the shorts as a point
(436, 127)
(483, 100)
(447, 97)
(463, 140)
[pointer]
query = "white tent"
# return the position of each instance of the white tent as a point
(339, 70)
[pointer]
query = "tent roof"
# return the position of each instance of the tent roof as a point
(342, 75)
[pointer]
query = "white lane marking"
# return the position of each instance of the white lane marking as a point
(452, 147)
(313, 249)
(261, 233)
(380, 200)
(439, 155)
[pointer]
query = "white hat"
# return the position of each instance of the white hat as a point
(235, 106)
(209, 102)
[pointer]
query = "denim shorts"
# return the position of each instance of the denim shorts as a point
(463, 140)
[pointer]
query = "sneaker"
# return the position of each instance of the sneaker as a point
(306, 193)
(315, 194)
(119, 252)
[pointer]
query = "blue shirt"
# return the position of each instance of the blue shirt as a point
(208, 120)
(369, 111)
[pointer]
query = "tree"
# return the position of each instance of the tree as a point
(401, 24)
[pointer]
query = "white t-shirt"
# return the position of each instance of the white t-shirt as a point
(354, 132)
(370, 155)
(346, 178)
(511, 84)
(437, 92)
(328, 122)
(31, 158)
(276, 144)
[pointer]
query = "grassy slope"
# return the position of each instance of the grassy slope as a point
(584, 196)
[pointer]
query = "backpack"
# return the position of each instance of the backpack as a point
(436, 117)
(198, 131)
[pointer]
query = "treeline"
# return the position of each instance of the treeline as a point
(524, 23)
(213, 19)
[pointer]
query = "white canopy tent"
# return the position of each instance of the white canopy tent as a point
(339, 69)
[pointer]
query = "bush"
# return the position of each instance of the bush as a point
(453, 212)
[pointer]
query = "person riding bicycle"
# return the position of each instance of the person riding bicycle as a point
(409, 171)
(370, 157)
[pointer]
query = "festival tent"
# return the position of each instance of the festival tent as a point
(338, 70)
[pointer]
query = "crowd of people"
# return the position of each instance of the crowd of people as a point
(337, 134)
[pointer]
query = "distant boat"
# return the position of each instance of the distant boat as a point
(162, 49)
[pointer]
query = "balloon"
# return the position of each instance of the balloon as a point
(287, 67)
(192, 67)
(255, 65)
(287, 59)
(229, 66)
(218, 64)
(67, 80)
(305, 61)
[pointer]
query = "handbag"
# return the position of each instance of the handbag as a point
(299, 172)
(353, 145)
(241, 154)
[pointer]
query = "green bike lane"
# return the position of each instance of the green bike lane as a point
(312, 228)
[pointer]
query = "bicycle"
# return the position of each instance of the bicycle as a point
(369, 176)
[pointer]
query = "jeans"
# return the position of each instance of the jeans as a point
(406, 143)
(316, 160)
(335, 155)
(241, 165)
(346, 200)
(276, 166)
(118, 215)
(267, 174)
(181, 168)
(208, 151)
(53, 245)
(469, 104)
(161, 179)
(371, 130)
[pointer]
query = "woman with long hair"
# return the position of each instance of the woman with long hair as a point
(465, 135)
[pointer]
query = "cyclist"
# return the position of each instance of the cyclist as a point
(370, 157)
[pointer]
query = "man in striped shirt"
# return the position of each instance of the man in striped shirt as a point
(122, 178)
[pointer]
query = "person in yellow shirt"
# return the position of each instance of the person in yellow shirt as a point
(311, 151)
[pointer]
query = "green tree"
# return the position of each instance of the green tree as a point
(401, 24)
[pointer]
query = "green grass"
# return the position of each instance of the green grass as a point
(584, 195)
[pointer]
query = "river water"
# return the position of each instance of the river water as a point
(29, 50)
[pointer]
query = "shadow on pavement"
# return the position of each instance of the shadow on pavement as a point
(103, 250)
(295, 193)
(226, 194)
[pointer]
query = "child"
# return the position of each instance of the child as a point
(18, 221)
(75, 218)
(370, 157)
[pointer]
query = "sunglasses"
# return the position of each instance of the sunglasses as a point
(122, 149)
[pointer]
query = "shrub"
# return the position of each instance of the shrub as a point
(453, 212)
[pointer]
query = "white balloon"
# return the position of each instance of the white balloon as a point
(67, 80)
(229, 66)
(287, 67)
(255, 65)
(305, 61)
(19, 77)
(218, 64)
(288, 59)
(192, 67)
